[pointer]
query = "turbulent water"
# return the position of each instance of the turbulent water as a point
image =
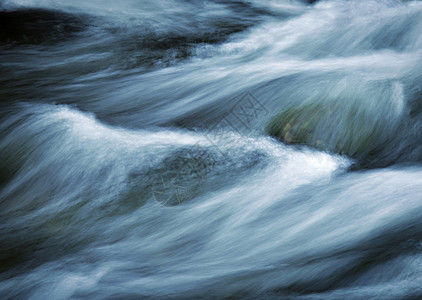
(210, 149)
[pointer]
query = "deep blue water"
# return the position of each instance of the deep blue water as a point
(210, 149)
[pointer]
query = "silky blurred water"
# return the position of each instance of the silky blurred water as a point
(210, 149)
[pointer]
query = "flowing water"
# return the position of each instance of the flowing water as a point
(210, 149)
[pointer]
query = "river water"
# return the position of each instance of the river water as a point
(210, 149)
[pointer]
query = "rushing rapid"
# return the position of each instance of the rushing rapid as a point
(210, 149)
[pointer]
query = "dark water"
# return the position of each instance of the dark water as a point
(210, 149)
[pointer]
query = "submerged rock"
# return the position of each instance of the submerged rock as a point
(189, 172)
(36, 26)
(344, 128)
